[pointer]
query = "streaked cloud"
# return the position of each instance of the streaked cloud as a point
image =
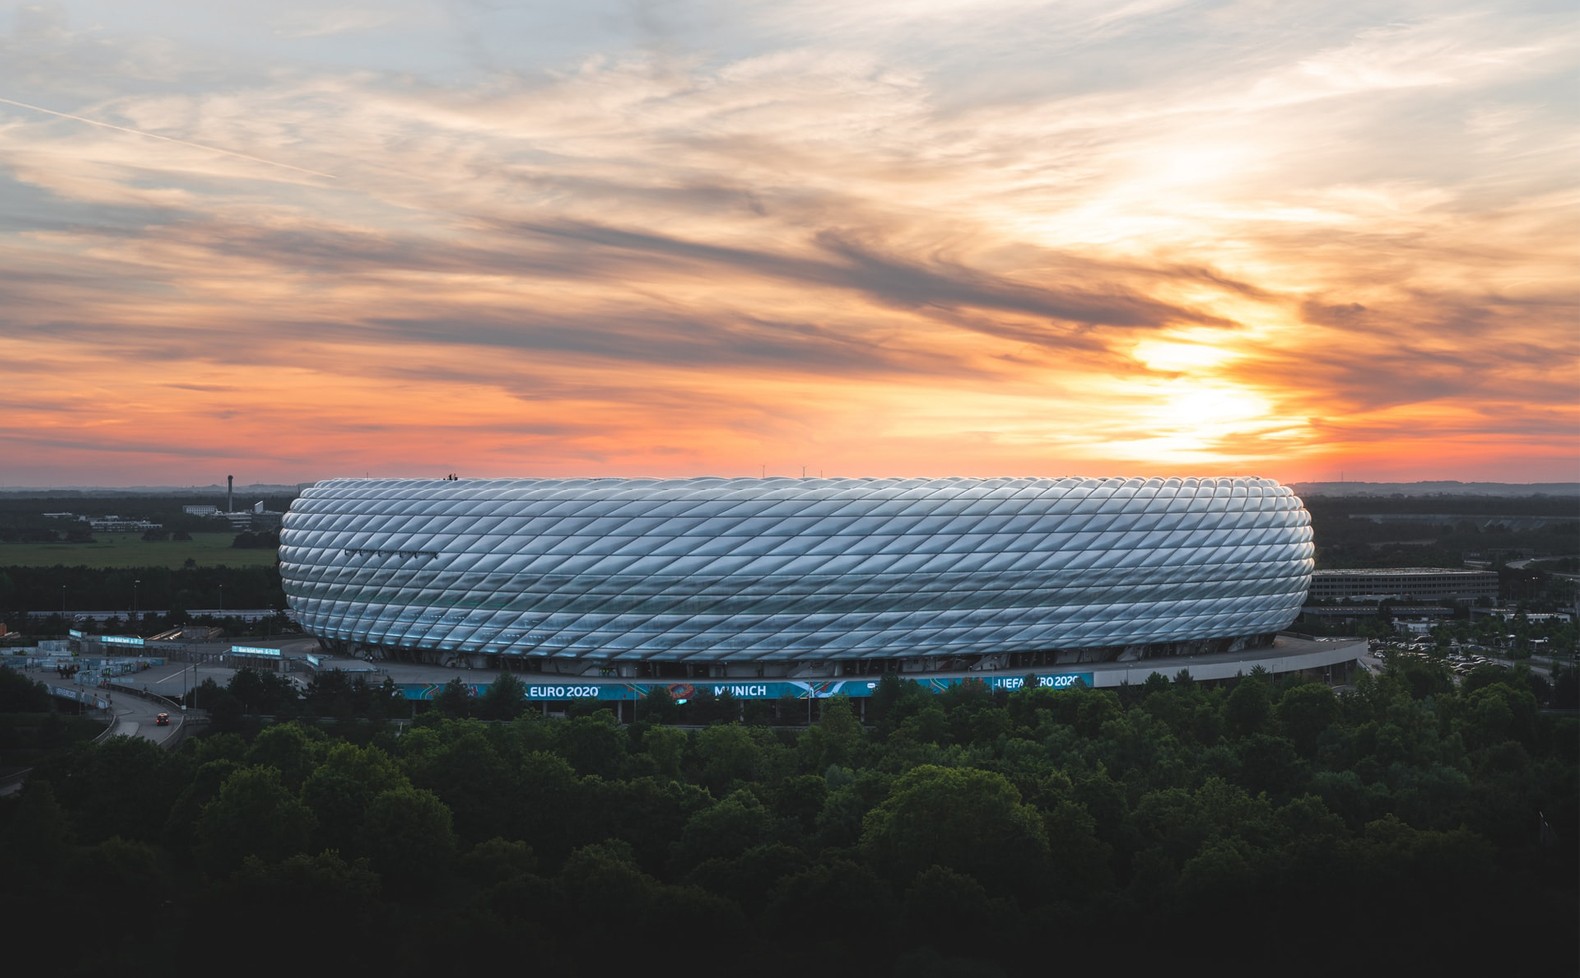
(307, 240)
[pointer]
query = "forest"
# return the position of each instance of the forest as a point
(1442, 531)
(1408, 824)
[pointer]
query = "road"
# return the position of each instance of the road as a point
(132, 704)
(135, 715)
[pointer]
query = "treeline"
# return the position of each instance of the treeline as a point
(1406, 825)
(1458, 527)
(43, 589)
(34, 723)
(1470, 504)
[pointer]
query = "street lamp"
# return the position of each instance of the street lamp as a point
(222, 600)
(189, 690)
(63, 601)
(134, 597)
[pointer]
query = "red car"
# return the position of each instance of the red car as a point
(162, 720)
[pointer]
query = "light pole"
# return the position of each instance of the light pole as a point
(134, 597)
(222, 600)
(63, 601)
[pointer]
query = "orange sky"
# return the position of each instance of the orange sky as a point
(1013, 238)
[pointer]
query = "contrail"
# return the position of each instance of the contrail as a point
(168, 139)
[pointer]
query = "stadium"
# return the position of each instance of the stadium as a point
(737, 579)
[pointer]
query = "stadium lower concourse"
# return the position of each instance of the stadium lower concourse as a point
(736, 580)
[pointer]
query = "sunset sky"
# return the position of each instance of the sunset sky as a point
(291, 241)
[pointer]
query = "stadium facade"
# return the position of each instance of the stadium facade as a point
(727, 578)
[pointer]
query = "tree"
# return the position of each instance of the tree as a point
(321, 886)
(505, 699)
(836, 738)
(1499, 712)
(19, 694)
(747, 878)
(834, 888)
(665, 748)
(727, 755)
(1092, 709)
(968, 820)
(892, 700)
(1305, 712)
(36, 843)
(293, 749)
(649, 814)
(954, 914)
(927, 726)
(557, 814)
(498, 861)
(1249, 706)
(253, 815)
(1271, 764)
(409, 838)
(594, 744)
(602, 882)
(336, 693)
(1168, 821)
(463, 766)
(342, 786)
(1422, 677)
(726, 829)
(122, 787)
(454, 700)
(1223, 873)
(658, 706)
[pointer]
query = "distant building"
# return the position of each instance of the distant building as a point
(115, 524)
(239, 519)
(255, 517)
(108, 524)
(1429, 584)
(1530, 616)
(1355, 612)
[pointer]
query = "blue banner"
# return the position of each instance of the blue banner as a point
(609, 691)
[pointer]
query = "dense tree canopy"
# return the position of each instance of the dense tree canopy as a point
(1263, 825)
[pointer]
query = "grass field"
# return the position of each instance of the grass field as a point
(112, 551)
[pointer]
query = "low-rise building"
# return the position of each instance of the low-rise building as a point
(1425, 584)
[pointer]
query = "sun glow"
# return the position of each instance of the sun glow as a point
(1194, 421)
(1172, 355)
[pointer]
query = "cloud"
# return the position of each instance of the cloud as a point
(844, 262)
(883, 235)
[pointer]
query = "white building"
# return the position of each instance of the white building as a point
(781, 576)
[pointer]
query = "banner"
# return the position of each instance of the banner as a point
(680, 691)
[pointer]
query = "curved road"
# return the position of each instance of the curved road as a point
(135, 715)
(132, 707)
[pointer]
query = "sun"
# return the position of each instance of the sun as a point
(1186, 421)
